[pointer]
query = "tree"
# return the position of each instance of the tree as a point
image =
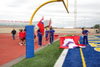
(97, 26)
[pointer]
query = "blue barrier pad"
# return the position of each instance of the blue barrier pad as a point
(29, 41)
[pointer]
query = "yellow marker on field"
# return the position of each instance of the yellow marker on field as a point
(97, 46)
(92, 44)
(83, 60)
(97, 49)
(82, 56)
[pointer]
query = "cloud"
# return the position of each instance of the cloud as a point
(87, 11)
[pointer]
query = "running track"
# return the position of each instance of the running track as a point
(10, 49)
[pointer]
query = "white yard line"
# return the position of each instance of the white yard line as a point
(61, 59)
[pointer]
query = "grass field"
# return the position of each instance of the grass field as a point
(44, 58)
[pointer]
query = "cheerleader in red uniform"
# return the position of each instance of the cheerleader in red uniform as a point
(21, 37)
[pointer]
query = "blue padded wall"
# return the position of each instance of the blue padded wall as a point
(29, 41)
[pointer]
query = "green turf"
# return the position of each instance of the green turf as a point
(44, 58)
(68, 35)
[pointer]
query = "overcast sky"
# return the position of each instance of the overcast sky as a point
(88, 12)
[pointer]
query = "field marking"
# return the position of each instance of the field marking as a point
(83, 60)
(61, 59)
(97, 49)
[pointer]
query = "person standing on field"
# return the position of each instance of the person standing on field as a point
(85, 36)
(13, 32)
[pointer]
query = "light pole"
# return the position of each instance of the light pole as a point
(75, 13)
(99, 28)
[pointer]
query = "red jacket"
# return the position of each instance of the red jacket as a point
(24, 34)
(21, 35)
